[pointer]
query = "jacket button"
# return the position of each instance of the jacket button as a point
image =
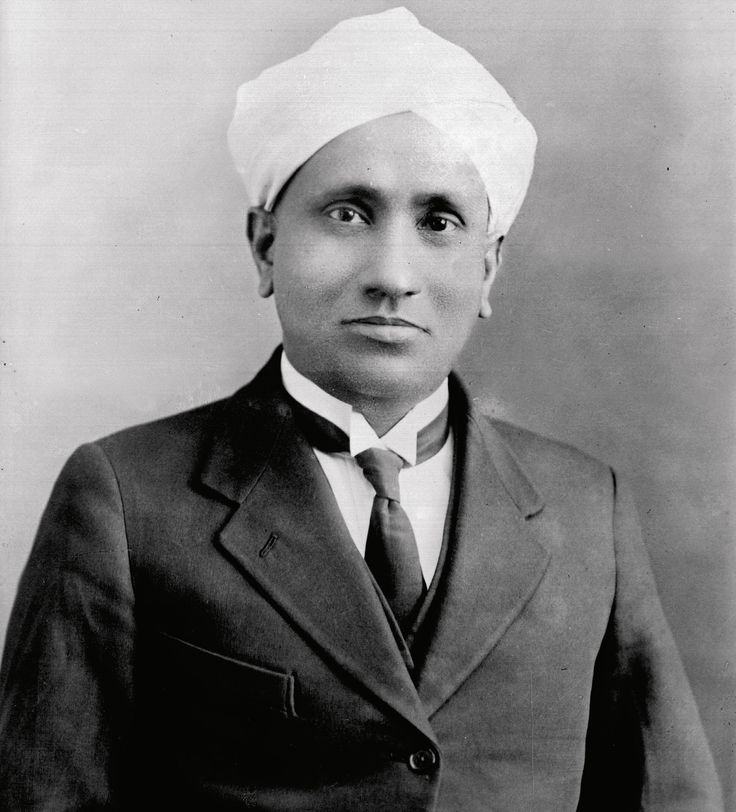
(424, 761)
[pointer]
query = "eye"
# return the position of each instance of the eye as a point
(346, 214)
(433, 221)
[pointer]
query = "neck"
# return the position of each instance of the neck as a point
(382, 410)
(382, 403)
(381, 416)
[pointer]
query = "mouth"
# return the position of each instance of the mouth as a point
(386, 321)
(386, 329)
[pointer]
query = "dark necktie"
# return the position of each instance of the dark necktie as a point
(391, 549)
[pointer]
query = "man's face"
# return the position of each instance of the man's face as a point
(379, 261)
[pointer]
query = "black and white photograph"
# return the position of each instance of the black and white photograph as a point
(367, 405)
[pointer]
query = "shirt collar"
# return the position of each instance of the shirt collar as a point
(402, 438)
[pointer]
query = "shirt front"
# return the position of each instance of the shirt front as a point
(425, 488)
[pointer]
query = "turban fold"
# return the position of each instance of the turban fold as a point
(367, 68)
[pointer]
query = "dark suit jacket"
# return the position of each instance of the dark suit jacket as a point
(196, 629)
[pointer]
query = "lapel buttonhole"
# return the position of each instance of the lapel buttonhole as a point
(268, 546)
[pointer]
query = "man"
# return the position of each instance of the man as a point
(343, 587)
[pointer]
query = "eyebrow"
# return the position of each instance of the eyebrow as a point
(349, 191)
(435, 200)
(439, 200)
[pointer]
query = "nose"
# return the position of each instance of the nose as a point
(392, 269)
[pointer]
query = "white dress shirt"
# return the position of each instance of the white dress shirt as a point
(425, 488)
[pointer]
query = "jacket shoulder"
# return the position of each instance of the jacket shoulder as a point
(550, 463)
(176, 433)
(185, 432)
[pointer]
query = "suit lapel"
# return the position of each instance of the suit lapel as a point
(288, 536)
(493, 563)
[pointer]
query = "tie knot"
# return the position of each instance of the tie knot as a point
(381, 468)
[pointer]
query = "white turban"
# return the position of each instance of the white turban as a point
(366, 68)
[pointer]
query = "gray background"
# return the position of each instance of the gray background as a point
(127, 290)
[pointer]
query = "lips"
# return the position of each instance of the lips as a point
(386, 321)
(386, 330)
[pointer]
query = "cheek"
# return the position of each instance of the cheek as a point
(316, 268)
(308, 285)
(459, 286)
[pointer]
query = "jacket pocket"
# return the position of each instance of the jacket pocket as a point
(228, 684)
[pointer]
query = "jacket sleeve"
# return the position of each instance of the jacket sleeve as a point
(646, 747)
(66, 679)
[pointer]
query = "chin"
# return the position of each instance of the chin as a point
(390, 378)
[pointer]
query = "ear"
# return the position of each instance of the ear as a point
(261, 231)
(492, 264)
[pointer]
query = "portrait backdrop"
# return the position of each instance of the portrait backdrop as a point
(128, 291)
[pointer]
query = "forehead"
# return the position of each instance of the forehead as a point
(401, 155)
